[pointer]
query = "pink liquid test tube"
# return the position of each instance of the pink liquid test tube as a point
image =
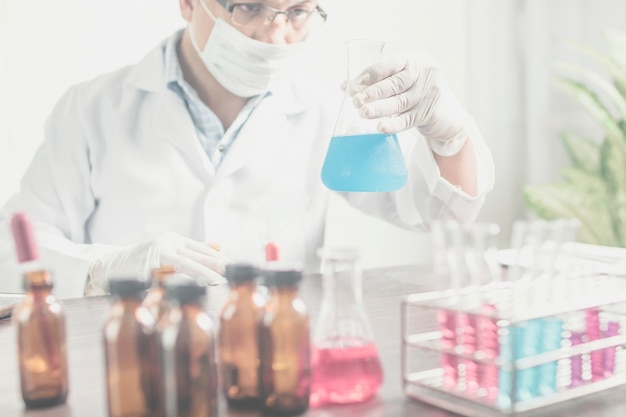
(576, 373)
(612, 329)
(467, 328)
(489, 344)
(592, 324)
(449, 362)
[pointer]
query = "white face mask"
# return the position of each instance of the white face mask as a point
(242, 65)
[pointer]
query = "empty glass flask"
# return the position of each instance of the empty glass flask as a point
(345, 364)
(359, 157)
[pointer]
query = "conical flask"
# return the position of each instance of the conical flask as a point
(345, 366)
(359, 158)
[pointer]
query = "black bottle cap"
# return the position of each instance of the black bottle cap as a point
(184, 290)
(241, 272)
(282, 275)
(127, 286)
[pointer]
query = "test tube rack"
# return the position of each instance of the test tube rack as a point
(487, 360)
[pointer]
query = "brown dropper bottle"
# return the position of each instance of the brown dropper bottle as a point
(238, 337)
(284, 340)
(130, 352)
(155, 300)
(40, 323)
(187, 346)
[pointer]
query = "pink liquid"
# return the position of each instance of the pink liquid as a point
(489, 344)
(467, 340)
(592, 321)
(449, 362)
(609, 354)
(345, 375)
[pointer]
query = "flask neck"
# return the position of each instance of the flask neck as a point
(125, 307)
(189, 305)
(38, 284)
(243, 289)
(360, 54)
(190, 309)
(283, 295)
(342, 284)
(37, 280)
(128, 303)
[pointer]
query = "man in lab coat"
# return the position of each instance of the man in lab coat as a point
(213, 138)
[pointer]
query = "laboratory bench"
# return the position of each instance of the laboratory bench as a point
(383, 292)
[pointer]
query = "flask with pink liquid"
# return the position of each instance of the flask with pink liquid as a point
(345, 364)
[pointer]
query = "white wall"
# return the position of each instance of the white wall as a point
(46, 46)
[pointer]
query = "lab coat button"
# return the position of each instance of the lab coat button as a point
(221, 147)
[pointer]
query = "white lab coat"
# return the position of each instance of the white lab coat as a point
(121, 164)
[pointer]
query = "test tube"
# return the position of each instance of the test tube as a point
(489, 330)
(477, 238)
(612, 329)
(552, 327)
(592, 326)
(447, 317)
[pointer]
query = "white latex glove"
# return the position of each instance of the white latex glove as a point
(201, 261)
(410, 91)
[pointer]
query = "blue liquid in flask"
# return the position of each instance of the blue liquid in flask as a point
(369, 162)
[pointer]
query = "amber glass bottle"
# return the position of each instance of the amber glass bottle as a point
(156, 300)
(284, 340)
(41, 343)
(130, 352)
(187, 345)
(238, 337)
(40, 323)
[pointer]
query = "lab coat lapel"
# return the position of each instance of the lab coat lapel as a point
(259, 138)
(267, 131)
(169, 120)
(166, 115)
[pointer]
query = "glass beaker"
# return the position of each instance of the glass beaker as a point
(359, 157)
(345, 364)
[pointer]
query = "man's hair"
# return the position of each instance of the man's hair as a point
(222, 2)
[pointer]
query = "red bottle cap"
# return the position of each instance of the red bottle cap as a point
(24, 237)
(272, 253)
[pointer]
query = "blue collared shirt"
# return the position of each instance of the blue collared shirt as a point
(214, 140)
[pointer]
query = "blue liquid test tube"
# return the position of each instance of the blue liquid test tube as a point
(551, 339)
(612, 329)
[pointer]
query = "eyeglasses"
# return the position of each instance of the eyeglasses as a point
(251, 14)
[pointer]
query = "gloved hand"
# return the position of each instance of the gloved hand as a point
(201, 261)
(410, 91)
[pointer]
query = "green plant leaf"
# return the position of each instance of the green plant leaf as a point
(602, 84)
(583, 152)
(594, 187)
(613, 168)
(617, 48)
(566, 200)
(586, 182)
(594, 106)
(615, 65)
